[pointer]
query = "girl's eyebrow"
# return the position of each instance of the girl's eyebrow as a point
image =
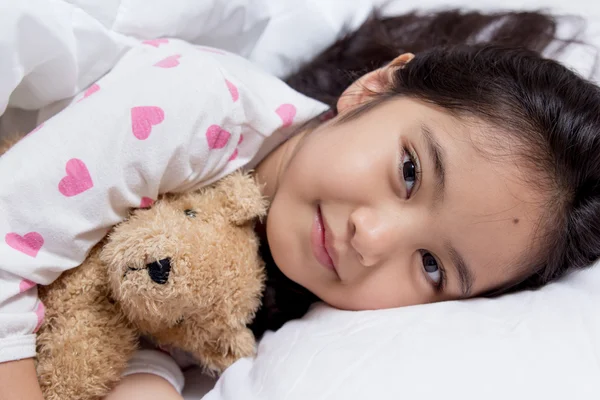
(437, 158)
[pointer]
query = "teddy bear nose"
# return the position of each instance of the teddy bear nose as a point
(159, 270)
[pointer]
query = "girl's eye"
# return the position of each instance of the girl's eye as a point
(410, 171)
(432, 269)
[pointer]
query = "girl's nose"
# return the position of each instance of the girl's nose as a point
(373, 236)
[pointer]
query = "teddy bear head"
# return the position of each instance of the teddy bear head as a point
(189, 257)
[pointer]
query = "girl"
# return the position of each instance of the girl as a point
(466, 170)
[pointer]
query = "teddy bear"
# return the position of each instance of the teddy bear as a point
(185, 272)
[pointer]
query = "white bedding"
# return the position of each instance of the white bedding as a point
(544, 344)
(51, 50)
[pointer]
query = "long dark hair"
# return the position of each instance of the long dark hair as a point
(490, 66)
(379, 40)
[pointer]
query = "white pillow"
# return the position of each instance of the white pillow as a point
(530, 345)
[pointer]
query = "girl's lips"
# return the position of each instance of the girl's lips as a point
(319, 242)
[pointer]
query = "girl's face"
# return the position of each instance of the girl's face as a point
(397, 207)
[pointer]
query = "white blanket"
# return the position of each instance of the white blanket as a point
(50, 50)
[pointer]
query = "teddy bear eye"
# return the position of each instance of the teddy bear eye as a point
(190, 213)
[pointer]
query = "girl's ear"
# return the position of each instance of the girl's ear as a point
(371, 84)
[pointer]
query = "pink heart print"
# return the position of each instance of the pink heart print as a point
(29, 244)
(233, 90)
(236, 151)
(217, 137)
(25, 285)
(146, 202)
(91, 90)
(287, 113)
(210, 50)
(156, 42)
(169, 62)
(40, 312)
(78, 179)
(144, 118)
(36, 129)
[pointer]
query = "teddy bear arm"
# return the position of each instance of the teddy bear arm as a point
(84, 359)
(215, 348)
(225, 349)
(85, 342)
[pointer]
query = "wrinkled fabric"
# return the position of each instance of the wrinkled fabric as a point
(169, 117)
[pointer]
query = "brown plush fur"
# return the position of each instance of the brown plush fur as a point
(96, 312)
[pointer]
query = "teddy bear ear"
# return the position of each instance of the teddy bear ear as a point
(241, 197)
